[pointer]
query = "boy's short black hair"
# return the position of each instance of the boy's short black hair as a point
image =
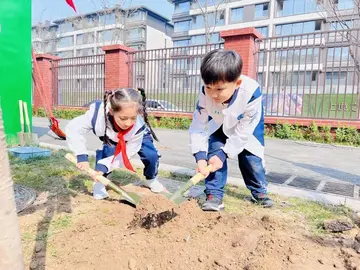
(221, 66)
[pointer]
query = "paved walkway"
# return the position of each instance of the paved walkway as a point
(302, 165)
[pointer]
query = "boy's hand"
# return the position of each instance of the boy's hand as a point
(201, 167)
(215, 163)
(84, 166)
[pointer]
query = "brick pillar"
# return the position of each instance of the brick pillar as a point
(116, 66)
(44, 63)
(243, 42)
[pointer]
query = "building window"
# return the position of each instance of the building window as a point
(87, 38)
(341, 25)
(49, 46)
(261, 58)
(182, 26)
(293, 7)
(260, 79)
(182, 7)
(65, 54)
(85, 52)
(66, 27)
(113, 35)
(134, 16)
(298, 28)
(212, 19)
(296, 57)
(237, 14)
(107, 19)
(341, 78)
(344, 4)
(66, 42)
(181, 43)
(204, 3)
(262, 11)
(338, 54)
(264, 30)
(137, 33)
(295, 78)
(105, 36)
(201, 39)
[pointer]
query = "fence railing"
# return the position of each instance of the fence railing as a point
(302, 76)
(171, 76)
(78, 81)
(311, 75)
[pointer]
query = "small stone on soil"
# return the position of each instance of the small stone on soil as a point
(132, 264)
(39, 246)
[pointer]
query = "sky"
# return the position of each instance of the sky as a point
(57, 9)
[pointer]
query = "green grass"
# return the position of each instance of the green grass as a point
(62, 222)
(329, 106)
(236, 201)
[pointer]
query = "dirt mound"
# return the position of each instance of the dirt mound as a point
(193, 239)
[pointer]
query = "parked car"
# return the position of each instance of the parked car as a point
(161, 105)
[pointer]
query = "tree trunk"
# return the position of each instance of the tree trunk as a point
(11, 256)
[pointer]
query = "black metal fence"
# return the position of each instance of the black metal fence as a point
(171, 76)
(311, 75)
(304, 76)
(78, 81)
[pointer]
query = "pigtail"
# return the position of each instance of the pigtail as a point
(145, 114)
(106, 100)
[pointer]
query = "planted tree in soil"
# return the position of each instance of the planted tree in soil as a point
(10, 240)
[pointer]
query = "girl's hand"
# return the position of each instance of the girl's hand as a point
(95, 174)
(84, 166)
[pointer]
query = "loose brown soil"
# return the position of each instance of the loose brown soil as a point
(110, 235)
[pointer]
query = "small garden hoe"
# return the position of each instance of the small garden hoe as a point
(130, 197)
(178, 197)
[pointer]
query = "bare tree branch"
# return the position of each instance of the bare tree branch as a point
(216, 9)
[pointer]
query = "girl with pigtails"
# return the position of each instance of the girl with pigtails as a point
(121, 123)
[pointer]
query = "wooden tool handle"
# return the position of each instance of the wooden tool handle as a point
(193, 181)
(199, 176)
(26, 116)
(90, 171)
(132, 198)
(21, 115)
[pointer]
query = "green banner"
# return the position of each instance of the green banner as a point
(15, 62)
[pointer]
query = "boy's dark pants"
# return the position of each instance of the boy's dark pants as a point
(251, 168)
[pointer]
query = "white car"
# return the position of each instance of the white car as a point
(161, 105)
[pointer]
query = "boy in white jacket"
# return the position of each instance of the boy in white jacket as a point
(228, 123)
(119, 123)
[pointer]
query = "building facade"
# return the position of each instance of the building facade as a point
(139, 28)
(271, 18)
(308, 60)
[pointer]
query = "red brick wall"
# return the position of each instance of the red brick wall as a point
(116, 66)
(243, 42)
(44, 64)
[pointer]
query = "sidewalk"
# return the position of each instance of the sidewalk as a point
(302, 167)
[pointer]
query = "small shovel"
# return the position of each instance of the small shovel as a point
(127, 196)
(21, 134)
(178, 197)
(30, 138)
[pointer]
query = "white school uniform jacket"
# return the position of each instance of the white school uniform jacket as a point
(94, 120)
(242, 121)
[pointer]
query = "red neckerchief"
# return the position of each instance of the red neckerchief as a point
(121, 147)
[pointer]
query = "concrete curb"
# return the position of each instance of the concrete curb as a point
(272, 188)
